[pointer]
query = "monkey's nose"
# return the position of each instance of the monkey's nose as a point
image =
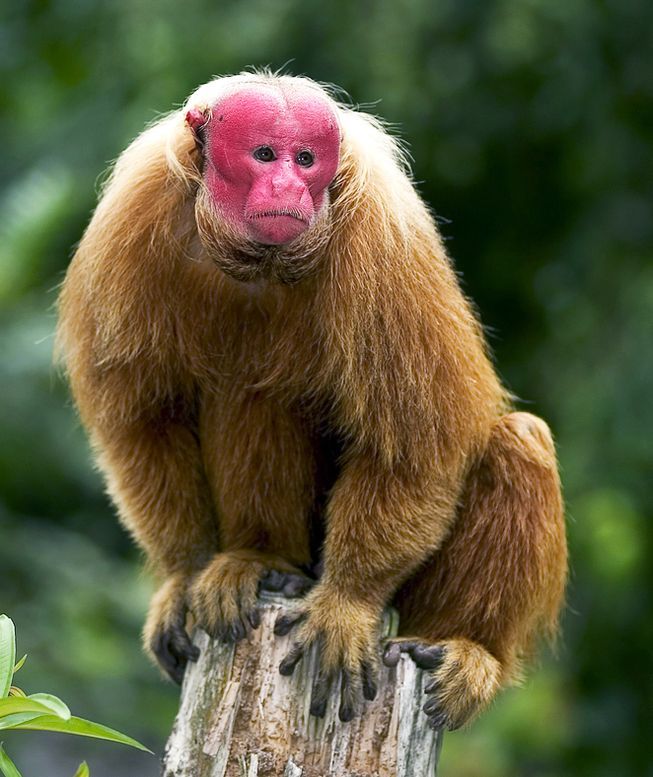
(285, 184)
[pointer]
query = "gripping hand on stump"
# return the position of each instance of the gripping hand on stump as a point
(224, 595)
(346, 635)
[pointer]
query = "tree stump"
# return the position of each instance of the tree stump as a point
(239, 717)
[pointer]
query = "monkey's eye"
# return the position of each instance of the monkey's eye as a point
(264, 154)
(304, 158)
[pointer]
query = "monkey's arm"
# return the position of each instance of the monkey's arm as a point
(155, 477)
(140, 421)
(381, 524)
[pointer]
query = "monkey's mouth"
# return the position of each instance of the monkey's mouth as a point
(277, 226)
(292, 213)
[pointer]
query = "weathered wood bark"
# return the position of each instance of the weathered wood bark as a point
(239, 717)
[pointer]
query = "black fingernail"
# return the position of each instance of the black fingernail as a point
(432, 707)
(318, 707)
(346, 713)
(285, 623)
(287, 666)
(431, 686)
(177, 674)
(369, 681)
(439, 721)
(320, 692)
(254, 619)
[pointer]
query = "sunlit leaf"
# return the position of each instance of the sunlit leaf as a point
(83, 770)
(7, 654)
(7, 766)
(80, 727)
(15, 691)
(52, 702)
(15, 719)
(20, 663)
(14, 704)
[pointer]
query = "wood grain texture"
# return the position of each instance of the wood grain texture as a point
(239, 717)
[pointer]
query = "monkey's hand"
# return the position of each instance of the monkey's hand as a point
(223, 596)
(165, 635)
(346, 633)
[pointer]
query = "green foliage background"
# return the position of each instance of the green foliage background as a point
(530, 123)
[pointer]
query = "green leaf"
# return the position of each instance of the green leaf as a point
(11, 721)
(7, 654)
(20, 663)
(54, 703)
(7, 766)
(83, 770)
(13, 704)
(84, 728)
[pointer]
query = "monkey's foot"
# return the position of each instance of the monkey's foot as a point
(165, 636)
(292, 585)
(223, 596)
(463, 677)
(346, 635)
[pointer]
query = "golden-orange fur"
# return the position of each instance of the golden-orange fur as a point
(215, 406)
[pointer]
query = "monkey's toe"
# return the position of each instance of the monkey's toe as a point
(424, 655)
(289, 584)
(463, 677)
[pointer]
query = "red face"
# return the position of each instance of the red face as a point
(269, 158)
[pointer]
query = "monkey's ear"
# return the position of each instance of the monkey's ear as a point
(197, 120)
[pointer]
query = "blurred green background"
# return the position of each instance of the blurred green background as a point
(530, 123)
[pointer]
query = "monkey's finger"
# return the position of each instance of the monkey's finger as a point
(289, 584)
(391, 654)
(368, 679)
(254, 618)
(427, 656)
(288, 621)
(182, 645)
(293, 657)
(432, 706)
(350, 687)
(177, 673)
(393, 651)
(172, 664)
(297, 585)
(320, 693)
(439, 721)
(272, 580)
(432, 685)
(436, 715)
(235, 631)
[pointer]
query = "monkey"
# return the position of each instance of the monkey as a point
(285, 386)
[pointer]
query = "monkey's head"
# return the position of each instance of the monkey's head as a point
(269, 153)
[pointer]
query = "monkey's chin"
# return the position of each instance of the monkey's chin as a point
(244, 259)
(276, 230)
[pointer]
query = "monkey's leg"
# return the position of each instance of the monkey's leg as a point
(260, 465)
(382, 523)
(478, 604)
